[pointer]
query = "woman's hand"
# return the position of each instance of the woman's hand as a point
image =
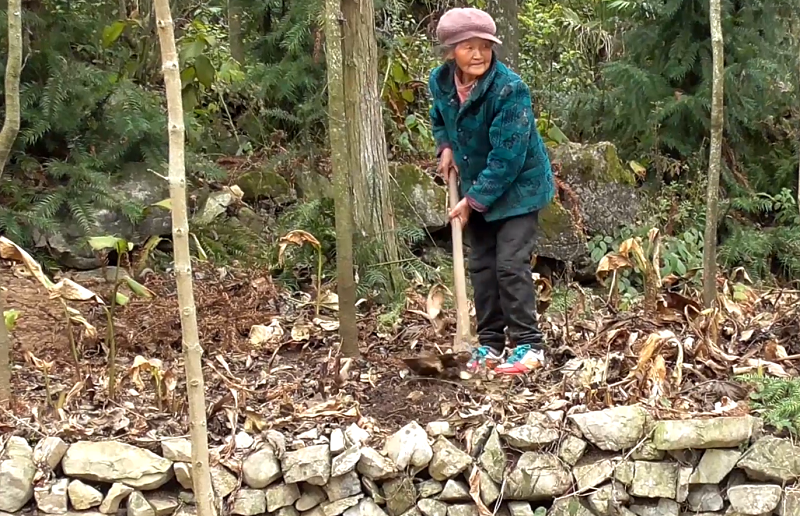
(446, 164)
(461, 212)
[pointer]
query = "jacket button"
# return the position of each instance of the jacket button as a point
(460, 130)
(474, 182)
(466, 158)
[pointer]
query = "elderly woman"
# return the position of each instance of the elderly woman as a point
(485, 130)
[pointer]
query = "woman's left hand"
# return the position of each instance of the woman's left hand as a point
(461, 212)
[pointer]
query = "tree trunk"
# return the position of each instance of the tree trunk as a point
(13, 68)
(235, 30)
(5, 354)
(506, 16)
(343, 198)
(367, 157)
(183, 269)
(714, 157)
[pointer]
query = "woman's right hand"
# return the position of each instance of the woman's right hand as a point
(446, 164)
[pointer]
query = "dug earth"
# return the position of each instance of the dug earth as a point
(614, 462)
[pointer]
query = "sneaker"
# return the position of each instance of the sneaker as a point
(522, 361)
(484, 356)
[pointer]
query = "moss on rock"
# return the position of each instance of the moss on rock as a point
(265, 183)
(417, 199)
(597, 161)
(555, 220)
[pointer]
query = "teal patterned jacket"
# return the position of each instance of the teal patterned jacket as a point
(502, 161)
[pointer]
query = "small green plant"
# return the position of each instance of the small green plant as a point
(777, 398)
(10, 318)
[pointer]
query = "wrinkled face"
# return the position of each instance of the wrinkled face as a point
(473, 56)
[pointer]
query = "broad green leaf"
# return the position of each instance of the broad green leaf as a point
(555, 134)
(408, 95)
(637, 168)
(112, 32)
(205, 71)
(104, 242)
(166, 204)
(122, 299)
(187, 75)
(193, 49)
(411, 120)
(189, 96)
(10, 318)
(138, 288)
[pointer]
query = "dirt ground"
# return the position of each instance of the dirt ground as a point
(678, 363)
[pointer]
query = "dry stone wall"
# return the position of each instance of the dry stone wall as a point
(615, 462)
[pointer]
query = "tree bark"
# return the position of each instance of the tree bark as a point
(343, 198)
(5, 354)
(715, 153)
(183, 269)
(8, 135)
(235, 30)
(506, 16)
(367, 156)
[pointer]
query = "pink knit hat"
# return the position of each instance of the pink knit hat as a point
(463, 23)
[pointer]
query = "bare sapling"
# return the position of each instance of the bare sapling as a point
(195, 387)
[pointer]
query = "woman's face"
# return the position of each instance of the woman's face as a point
(473, 56)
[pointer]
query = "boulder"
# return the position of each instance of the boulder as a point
(139, 506)
(115, 496)
(417, 200)
(135, 467)
(714, 466)
(409, 447)
(249, 502)
(265, 183)
(755, 499)
(705, 498)
(613, 429)
(400, 495)
(310, 497)
(537, 476)
(178, 449)
(493, 457)
(52, 498)
(261, 468)
(448, 461)
(772, 459)
(455, 491)
(375, 466)
(223, 481)
(48, 452)
(571, 449)
(593, 471)
(83, 496)
(655, 479)
(311, 464)
(17, 471)
(720, 432)
(343, 486)
(281, 495)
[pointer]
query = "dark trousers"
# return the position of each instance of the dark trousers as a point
(500, 270)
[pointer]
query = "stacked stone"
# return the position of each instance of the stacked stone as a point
(615, 462)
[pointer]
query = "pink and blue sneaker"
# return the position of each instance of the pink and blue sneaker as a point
(522, 360)
(484, 357)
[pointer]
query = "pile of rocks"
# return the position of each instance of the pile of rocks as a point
(606, 463)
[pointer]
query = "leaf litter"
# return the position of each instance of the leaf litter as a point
(272, 363)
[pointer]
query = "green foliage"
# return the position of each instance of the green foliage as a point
(777, 398)
(654, 99)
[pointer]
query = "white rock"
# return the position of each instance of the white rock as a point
(343, 486)
(455, 491)
(715, 466)
(337, 441)
(139, 506)
(183, 473)
(17, 471)
(243, 441)
(281, 495)
(613, 429)
(448, 461)
(309, 435)
(755, 499)
(375, 466)
(164, 504)
(552, 478)
(261, 468)
(346, 461)
(432, 507)
(177, 449)
(520, 509)
(82, 496)
(608, 499)
(409, 447)
(655, 479)
(365, 507)
(249, 502)
(311, 464)
(591, 472)
(121, 462)
(439, 428)
(52, 499)
(223, 481)
(429, 488)
(49, 452)
(705, 498)
(340, 506)
(115, 496)
(571, 449)
(356, 435)
(310, 497)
